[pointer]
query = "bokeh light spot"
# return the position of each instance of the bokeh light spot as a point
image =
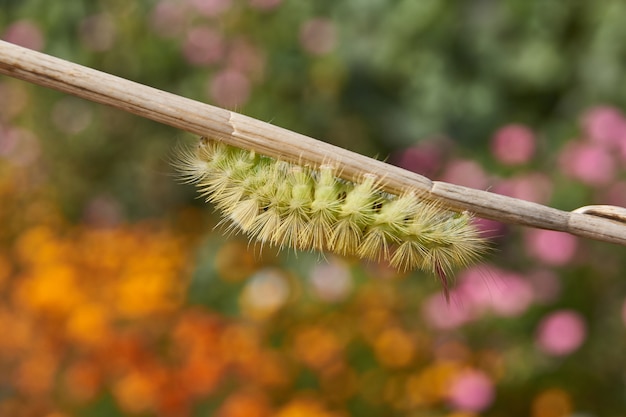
(471, 390)
(513, 144)
(551, 247)
(318, 36)
(561, 333)
(230, 88)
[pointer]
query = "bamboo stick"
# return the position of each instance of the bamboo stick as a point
(248, 133)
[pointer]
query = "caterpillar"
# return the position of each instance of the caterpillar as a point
(310, 208)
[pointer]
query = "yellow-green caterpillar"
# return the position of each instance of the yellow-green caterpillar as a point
(289, 205)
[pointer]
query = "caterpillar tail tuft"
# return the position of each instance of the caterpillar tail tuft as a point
(288, 205)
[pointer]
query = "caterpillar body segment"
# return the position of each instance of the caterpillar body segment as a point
(287, 205)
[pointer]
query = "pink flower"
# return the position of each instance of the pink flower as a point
(168, 18)
(24, 33)
(98, 32)
(605, 125)
(486, 288)
(230, 88)
(19, 146)
(623, 151)
(489, 229)
(512, 296)
(616, 194)
(424, 159)
(533, 187)
(546, 285)
(561, 333)
(466, 173)
(103, 212)
(332, 281)
(246, 58)
(590, 163)
(472, 391)
(203, 46)
(318, 36)
(211, 8)
(474, 289)
(442, 315)
(513, 144)
(481, 289)
(551, 247)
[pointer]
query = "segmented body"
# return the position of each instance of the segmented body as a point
(290, 205)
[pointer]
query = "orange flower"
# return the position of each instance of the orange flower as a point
(137, 392)
(305, 407)
(317, 346)
(431, 384)
(395, 348)
(89, 324)
(553, 402)
(51, 290)
(82, 381)
(34, 375)
(245, 404)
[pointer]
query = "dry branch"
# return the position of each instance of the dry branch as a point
(248, 133)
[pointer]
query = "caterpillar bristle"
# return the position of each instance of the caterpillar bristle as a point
(189, 166)
(287, 205)
(243, 214)
(324, 209)
(389, 225)
(409, 255)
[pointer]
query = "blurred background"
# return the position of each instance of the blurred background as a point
(118, 297)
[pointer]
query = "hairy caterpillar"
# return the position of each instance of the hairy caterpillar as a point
(288, 205)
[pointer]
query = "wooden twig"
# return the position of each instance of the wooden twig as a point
(248, 133)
